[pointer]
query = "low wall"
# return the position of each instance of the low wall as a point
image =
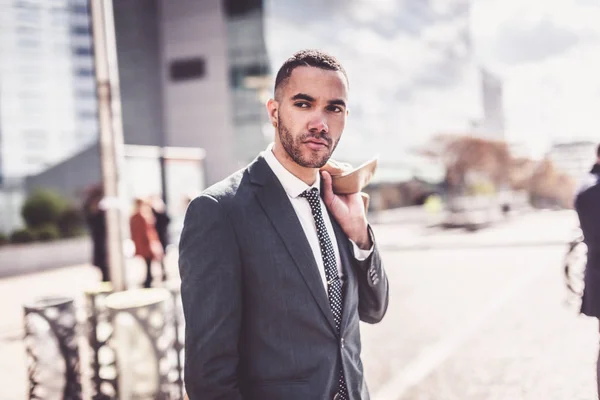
(33, 257)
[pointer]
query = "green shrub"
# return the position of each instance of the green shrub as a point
(22, 236)
(71, 222)
(43, 207)
(3, 239)
(47, 233)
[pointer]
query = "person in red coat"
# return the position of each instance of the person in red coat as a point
(144, 236)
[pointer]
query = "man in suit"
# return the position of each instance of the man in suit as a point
(587, 205)
(276, 269)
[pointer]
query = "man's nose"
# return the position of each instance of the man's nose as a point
(318, 123)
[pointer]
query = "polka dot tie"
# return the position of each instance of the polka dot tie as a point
(334, 285)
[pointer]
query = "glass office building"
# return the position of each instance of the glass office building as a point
(47, 88)
(250, 77)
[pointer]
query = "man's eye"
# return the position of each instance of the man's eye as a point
(335, 109)
(302, 104)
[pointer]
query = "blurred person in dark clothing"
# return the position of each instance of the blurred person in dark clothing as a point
(276, 269)
(144, 237)
(95, 218)
(587, 205)
(162, 219)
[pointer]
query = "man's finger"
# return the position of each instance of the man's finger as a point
(327, 187)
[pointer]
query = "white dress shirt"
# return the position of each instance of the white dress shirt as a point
(294, 186)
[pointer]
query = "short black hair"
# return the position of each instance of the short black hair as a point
(308, 58)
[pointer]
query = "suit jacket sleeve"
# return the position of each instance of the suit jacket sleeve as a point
(210, 269)
(373, 287)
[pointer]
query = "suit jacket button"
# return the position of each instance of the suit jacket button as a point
(342, 343)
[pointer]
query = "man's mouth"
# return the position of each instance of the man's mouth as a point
(316, 144)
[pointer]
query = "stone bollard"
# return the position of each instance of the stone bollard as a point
(52, 351)
(144, 342)
(102, 355)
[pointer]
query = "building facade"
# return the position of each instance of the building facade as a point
(250, 77)
(174, 77)
(492, 92)
(47, 86)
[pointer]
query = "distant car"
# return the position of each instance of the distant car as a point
(471, 212)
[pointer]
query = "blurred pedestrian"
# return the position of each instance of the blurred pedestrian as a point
(144, 236)
(276, 269)
(95, 218)
(162, 219)
(587, 205)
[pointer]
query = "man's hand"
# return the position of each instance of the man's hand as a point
(349, 212)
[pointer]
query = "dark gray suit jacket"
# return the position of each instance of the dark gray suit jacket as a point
(587, 204)
(258, 321)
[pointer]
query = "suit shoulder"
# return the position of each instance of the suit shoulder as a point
(236, 191)
(588, 193)
(225, 191)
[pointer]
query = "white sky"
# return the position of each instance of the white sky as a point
(548, 52)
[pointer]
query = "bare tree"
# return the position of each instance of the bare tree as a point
(464, 156)
(548, 185)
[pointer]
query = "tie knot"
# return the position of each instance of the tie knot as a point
(310, 194)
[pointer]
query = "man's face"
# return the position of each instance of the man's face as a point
(310, 111)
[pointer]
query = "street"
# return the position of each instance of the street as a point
(474, 325)
(478, 315)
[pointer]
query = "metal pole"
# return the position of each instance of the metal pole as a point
(163, 134)
(111, 134)
(163, 175)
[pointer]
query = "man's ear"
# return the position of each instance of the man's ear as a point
(272, 108)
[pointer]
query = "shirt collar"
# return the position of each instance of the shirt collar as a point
(292, 185)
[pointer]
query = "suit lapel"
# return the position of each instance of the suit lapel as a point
(279, 210)
(346, 258)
